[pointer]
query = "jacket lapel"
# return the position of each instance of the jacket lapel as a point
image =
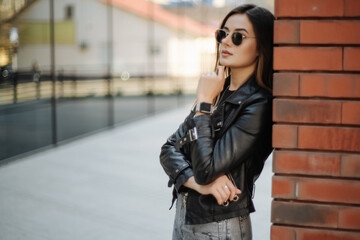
(237, 100)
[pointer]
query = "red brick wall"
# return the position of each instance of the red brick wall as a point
(316, 162)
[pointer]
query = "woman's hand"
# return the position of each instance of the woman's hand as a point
(210, 85)
(222, 188)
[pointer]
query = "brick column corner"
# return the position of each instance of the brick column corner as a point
(316, 114)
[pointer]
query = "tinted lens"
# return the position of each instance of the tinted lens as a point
(237, 38)
(220, 35)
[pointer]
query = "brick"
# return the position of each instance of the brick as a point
(349, 218)
(328, 234)
(286, 84)
(352, 8)
(351, 58)
(330, 32)
(351, 112)
(329, 138)
(309, 8)
(321, 190)
(308, 58)
(307, 111)
(283, 187)
(350, 165)
(284, 136)
(285, 8)
(329, 85)
(281, 233)
(304, 214)
(286, 31)
(297, 233)
(306, 163)
(328, 190)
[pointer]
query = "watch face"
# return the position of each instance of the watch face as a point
(205, 107)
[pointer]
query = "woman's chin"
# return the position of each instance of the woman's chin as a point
(224, 63)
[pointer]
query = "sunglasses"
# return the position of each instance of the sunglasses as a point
(236, 37)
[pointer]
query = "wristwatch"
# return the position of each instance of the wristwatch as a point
(204, 107)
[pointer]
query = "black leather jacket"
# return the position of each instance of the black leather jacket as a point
(237, 145)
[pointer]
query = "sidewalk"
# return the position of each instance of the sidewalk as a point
(107, 186)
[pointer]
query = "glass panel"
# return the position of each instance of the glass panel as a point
(24, 127)
(82, 54)
(25, 109)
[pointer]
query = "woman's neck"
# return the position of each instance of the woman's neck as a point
(240, 75)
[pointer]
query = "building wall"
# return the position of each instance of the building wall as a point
(69, 55)
(316, 133)
(140, 46)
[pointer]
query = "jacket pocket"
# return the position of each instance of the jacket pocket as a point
(199, 208)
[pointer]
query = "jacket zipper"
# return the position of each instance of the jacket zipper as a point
(184, 198)
(236, 198)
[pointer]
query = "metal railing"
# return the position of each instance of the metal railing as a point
(84, 104)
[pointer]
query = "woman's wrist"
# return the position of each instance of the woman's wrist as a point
(204, 99)
(191, 183)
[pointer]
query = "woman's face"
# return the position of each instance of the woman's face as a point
(245, 54)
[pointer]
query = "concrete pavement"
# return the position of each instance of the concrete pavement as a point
(106, 186)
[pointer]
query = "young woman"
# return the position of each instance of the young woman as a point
(216, 155)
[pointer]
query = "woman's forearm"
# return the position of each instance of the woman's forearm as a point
(190, 183)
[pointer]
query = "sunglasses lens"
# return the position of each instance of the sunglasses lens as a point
(220, 35)
(237, 38)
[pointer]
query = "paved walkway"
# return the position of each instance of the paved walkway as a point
(107, 186)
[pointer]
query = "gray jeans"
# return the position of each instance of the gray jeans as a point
(238, 228)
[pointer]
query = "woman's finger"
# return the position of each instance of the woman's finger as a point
(218, 197)
(221, 72)
(232, 189)
(227, 190)
(225, 193)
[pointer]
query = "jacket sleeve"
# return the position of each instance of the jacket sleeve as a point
(211, 158)
(174, 162)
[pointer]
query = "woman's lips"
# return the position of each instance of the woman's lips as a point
(225, 53)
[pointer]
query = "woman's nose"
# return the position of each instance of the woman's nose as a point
(227, 40)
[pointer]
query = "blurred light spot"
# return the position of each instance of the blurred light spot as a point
(125, 76)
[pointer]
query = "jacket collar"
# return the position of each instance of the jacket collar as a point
(246, 90)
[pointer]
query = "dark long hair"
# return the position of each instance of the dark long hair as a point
(262, 21)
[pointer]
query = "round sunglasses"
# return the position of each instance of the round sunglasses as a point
(236, 37)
